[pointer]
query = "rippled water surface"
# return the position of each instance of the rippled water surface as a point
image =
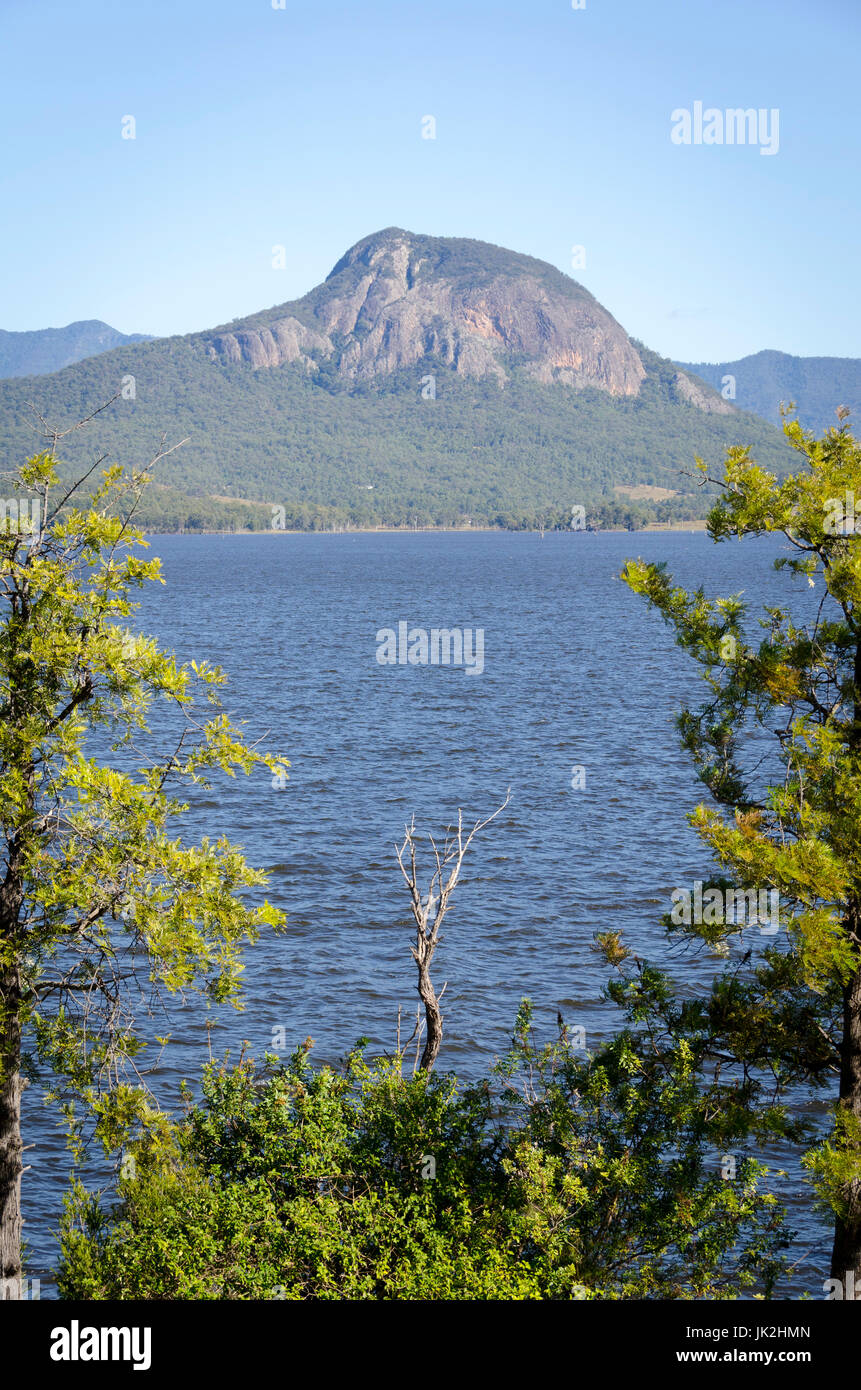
(578, 672)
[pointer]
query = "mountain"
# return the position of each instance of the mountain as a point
(427, 380)
(817, 385)
(396, 299)
(49, 349)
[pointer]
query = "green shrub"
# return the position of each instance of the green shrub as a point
(558, 1177)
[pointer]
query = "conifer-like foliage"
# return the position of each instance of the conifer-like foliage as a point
(103, 908)
(777, 743)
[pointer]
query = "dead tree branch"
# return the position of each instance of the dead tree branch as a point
(429, 909)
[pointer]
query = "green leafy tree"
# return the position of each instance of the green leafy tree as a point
(637, 1156)
(102, 907)
(791, 1007)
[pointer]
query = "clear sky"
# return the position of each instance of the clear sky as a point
(302, 126)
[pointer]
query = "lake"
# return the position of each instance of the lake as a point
(580, 684)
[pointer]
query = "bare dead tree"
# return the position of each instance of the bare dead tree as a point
(430, 908)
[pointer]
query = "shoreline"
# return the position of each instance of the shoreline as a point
(691, 527)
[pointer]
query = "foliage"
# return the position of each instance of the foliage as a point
(104, 907)
(557, 1177)
(790, 702)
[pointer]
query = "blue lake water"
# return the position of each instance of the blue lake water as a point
(577, 673)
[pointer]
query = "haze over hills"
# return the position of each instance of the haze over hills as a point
(50, 349)
(817, 385)
(427, 380)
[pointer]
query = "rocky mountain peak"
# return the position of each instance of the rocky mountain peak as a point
(397, 299)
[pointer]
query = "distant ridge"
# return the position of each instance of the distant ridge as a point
(817, 385)
(45, 350)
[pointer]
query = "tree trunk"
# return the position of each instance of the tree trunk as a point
(433, 1019)
(846, 1253)
(10, 1133)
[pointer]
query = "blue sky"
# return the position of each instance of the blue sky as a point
(302, 127)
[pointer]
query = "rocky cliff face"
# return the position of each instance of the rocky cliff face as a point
(285, 340)
(395, 299)
(703, 397)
